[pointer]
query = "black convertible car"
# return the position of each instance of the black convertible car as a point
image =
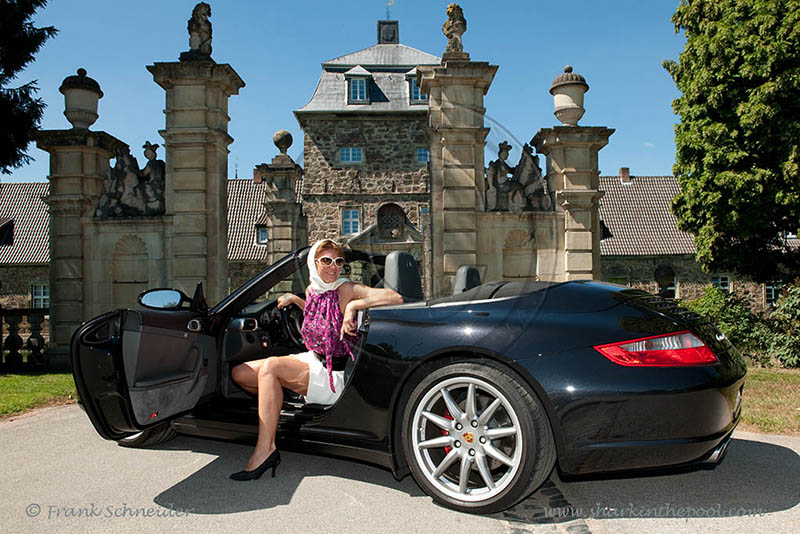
(478, 394)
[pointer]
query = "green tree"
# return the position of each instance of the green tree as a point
(738, 139)
(20, 111)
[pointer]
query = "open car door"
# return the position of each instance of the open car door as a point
(134, 369)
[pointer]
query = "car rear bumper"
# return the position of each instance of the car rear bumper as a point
(705, 434)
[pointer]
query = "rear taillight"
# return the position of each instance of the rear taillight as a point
(682, 348)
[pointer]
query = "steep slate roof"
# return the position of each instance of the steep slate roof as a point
(388, 65)
(22, 202)
(639, 218)
(245, 210)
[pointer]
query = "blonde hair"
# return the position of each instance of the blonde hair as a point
(327, 244)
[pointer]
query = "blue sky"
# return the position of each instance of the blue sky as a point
(277, 48)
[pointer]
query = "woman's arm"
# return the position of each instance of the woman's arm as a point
(288, 299)
(362, 297)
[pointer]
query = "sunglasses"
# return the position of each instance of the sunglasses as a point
(327, 261)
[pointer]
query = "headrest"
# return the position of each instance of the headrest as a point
(466, 278)
(402, 275)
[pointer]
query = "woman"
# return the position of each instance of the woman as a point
(329, 331)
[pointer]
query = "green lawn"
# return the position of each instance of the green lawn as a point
(21, 392)
(771, 401)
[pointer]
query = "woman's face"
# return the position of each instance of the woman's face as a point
(330, 272)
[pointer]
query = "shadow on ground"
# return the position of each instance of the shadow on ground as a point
(754, 478)
(210, 491)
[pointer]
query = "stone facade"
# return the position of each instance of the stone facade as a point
(690, 279)
(389, 173)
(17, 281)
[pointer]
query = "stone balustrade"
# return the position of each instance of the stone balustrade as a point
(21, 322)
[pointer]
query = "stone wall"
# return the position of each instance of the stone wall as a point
(17, 280)
(240, 272)
(689, 277)
(324, 219)
(389, 172)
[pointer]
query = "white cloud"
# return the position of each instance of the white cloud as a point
(649, 145)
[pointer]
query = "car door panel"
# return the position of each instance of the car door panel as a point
(138, 368)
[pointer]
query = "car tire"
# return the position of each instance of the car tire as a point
(149, 437)
(476, 437)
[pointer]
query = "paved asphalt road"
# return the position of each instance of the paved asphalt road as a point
(54, 466)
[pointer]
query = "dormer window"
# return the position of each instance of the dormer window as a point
(262, 236)
(358, 89)
(357, 80)
(416, 94)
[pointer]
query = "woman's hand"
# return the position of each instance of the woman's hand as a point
(287, 299)
(349, 323)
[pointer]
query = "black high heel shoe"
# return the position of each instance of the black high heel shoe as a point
(272, 461)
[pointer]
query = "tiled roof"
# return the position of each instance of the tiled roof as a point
(639, 219)
(245, 208)
(385, 55)
(22, 202)
(388, 66)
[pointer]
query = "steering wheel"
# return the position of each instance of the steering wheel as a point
(292, 319)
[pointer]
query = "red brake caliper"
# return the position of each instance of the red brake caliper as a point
(445, 432)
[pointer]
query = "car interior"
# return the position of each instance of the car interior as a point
(261, 330)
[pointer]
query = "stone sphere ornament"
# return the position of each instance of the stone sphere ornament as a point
(568, 90)
(283, 140)
(81, 95)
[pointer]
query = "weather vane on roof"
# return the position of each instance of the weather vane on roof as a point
(388, 5)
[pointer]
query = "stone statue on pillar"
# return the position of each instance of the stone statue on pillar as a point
(526, 180)
(498, 175)
(453, 28)
(199, 34)
(130, 192)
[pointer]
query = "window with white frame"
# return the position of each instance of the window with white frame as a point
(262, 236)
(40, 295)
(424, 211)
(351, 154)
(357, 90)
(423, 155)
(350, 221)
(416, 94)
(772, 290)
(723, 282)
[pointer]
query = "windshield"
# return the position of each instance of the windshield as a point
(290, 275)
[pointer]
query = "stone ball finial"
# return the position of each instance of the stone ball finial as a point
(283, 140)
(81, 94)
(568, 90)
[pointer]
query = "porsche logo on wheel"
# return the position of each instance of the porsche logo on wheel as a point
(468, 437)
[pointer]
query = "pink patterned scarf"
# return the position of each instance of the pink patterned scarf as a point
(322, 323)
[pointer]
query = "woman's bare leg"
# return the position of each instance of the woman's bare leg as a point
(246, 375)
(273, 374)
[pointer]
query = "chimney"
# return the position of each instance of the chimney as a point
(625, 175)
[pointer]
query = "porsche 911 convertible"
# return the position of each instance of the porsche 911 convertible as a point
(478, 394)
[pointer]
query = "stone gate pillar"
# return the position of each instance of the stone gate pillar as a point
(455, 97)
(78, 165)
(285, 223)
(196, 144)
(573, 172)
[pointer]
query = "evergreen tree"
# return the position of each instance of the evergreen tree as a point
(738, 140)
(20, 111)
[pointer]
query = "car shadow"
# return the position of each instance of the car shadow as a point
(754, 478)
(201, 491)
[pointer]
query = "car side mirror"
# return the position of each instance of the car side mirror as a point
(162, 299)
